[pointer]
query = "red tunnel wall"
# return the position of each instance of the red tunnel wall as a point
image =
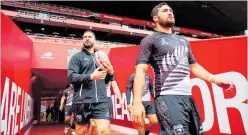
(16, 61)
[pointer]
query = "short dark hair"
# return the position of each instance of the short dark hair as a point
(155, 9)
(89, 31)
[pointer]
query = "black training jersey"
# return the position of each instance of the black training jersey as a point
(68, 93)
(147, 91)
(170, 56)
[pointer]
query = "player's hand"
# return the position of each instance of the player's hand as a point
(229, 86)
(138, 113)
(109, 67)
(106, 65)
(98, 75)
(129, 108)
(61, 108)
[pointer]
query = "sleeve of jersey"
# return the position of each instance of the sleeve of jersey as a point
(145, 51)
(129, 89)
(151, 87)
(73, 72)
(191, 57)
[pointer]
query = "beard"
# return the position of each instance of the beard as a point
(88, 45)
(166, 23)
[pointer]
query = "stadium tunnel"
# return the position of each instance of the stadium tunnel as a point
(37, 69)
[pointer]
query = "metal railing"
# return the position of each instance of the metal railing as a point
(47, 7)
(42, 38)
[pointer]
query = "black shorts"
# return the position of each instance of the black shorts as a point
(149, 107)
(110, 107)
(86, 111)
(68, 110)
(178, 115)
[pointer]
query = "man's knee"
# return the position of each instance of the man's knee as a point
(81, 129)
(68, 120)
(92, 123)
(104, 131)
(102, 126)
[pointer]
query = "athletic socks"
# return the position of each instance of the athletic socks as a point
(67, 124)
(73, 125)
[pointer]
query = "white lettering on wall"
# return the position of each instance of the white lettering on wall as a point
(124, 111)
(236, 102)
(221, 103)
(10, 109)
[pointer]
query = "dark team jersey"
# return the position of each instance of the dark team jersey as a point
(147, 91)
(170, 56)
(68, 93)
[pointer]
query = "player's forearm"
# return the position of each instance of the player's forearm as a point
(118, 94)
(116, 89)
(62, 101)
(139, 80)
(201, 73)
